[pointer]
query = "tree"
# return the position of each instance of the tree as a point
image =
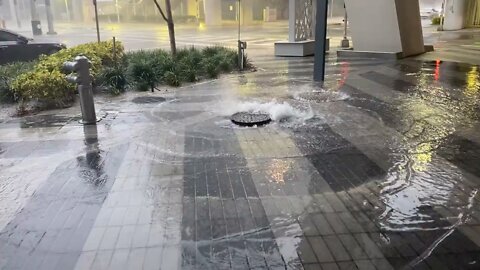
(169, 20)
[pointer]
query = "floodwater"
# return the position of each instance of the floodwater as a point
(376, 169)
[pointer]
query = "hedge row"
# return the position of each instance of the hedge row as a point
(142, 70)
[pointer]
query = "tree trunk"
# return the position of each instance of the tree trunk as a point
(169, 19)
(171, 27)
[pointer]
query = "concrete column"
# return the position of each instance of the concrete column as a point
(246, 15)
(14, 12)
(213, 12)
(387, 27)
(301, 28)
(291, 21)
(454, 14)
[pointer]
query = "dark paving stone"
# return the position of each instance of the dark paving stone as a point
(462, 153)
(41, 229)
(388, 81)
(224, 223)
(337, 160)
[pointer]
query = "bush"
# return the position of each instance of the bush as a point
(47, 82)
(143, 69)
(436, 20)
(114, 78)
(8, 73)
(171, 78)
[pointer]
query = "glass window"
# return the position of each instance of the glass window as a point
(6, 36)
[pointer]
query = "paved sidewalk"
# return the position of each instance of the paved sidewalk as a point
(378, 171)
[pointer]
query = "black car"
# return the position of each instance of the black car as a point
(15, 47)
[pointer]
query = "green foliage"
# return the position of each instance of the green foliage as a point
(171, 78)
(47, 82)
(143, 69)
(114, 78)
(44, 80)
(146, 69)
(436, 20)
(8, 73)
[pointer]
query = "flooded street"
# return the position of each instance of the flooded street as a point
(377, 169)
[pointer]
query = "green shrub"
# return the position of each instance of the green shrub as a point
(45, 85)
(8, 73)
(47, 82)
(144, 69)
(436, 20)
(171, 79)
(211, 69)
(114, 78)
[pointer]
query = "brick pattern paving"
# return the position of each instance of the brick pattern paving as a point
(183, 192)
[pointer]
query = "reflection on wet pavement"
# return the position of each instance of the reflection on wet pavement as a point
(377, 169)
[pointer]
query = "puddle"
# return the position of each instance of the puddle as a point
(148, 100)
(321, 96)
(44, 121)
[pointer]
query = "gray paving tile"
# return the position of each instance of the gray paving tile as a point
(336, 248)
(320, 248)
(119, 259)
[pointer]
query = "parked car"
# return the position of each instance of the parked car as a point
(15, 47)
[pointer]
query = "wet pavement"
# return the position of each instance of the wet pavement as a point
(377, 169)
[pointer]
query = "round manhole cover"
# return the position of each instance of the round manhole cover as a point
(148, 99)
(248, 119)
(322, 96)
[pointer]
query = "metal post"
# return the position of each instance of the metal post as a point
(114, 52)
(48, 8)
(239, 42)
(81, 66)
(320, 40)
(345, 41)
(96, 20)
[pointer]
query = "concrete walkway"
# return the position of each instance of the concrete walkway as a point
(377, 169)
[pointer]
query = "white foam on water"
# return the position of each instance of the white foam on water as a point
(278, 111)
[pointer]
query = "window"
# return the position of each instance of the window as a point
(6, 36)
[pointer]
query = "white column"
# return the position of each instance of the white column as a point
(386, 26)
(291, 20)
(213, 9)
(454, 14)
(13, 12)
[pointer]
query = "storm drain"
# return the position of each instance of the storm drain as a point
(248, 119)
(148, 100)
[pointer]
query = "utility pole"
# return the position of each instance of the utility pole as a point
(48, 8)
